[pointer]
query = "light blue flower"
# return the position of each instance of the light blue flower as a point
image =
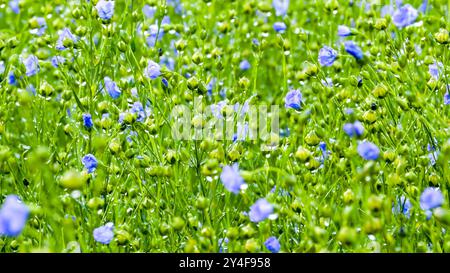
(293, 99)
(433, 157)
(327, 56)
(90, 162)
(423, 6)
(279, 27)
(210, 86)
(32, 65)
(13, 216)
(138, 109)
(368, 150)
(328, 82)
(344, 31)
(242, 132)
(153, 70)
(404, 16)
(216, 109)
(231, 178)
(112, 88)
(223, 245)
(431, 198)
(353, 49)
(169, 62)
(387, 10)
(354, 129)
(42, 27)
(155, 33)
(260, 210)
(104, 234)
(447, 98)
(435, 69)
(272, 244)
(105, 9)
(244, 65)
(281, 7)
(14, 5)
(149, 11)
(87, 121)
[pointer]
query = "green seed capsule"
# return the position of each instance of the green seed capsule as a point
(73, 179)
(349, 196)
(312, 139)
(114, 146)
(201, 203)
(381, 24)
(232, 233)
(380, 91)
(192, 83)
(178, 223)
(374, 203)
(122, 46)
(95, 203)
(251, 245)
(302, 154)
(247, 231)
(122, 236)
(244, 83)
(370, 116)
(180, 45)
(347, 236)
(442, 215)
(197, 58)
(442, 36)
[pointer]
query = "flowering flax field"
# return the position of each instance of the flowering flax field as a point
(224, 126)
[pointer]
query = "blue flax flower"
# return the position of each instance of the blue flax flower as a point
(231, 178)
(354, 129)
(244, 65)
(14, 5)
(149, 11)
(87, 121)
(353, 49)
(279, 27)
(344, 31)
(404, 16)
(13, 216)
(260, 210)
(327, 56)
(431, 198)
(368, 150)
(42, 27)
(32, 65)
(112, 88)
(272, 244)
(293, 99)
(434, 69)
(281, 7)
(90, 162)
(138, 109)
(104, 234)
(153, 70)
(105, 9)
